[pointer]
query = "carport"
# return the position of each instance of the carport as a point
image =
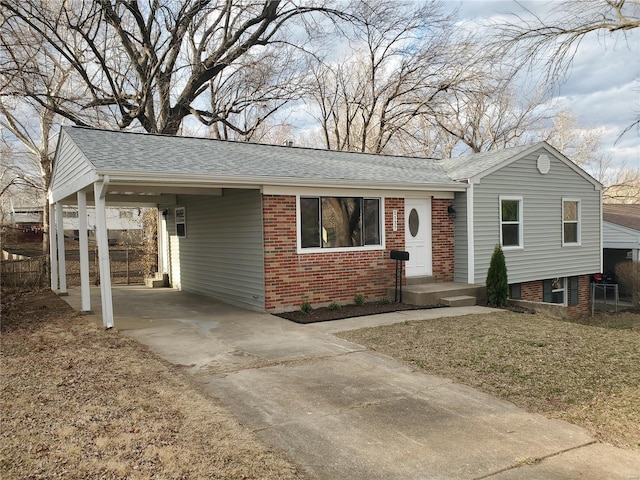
(91, 171)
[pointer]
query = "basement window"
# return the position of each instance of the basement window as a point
(561, 290)
(515, 291)
(181, 222)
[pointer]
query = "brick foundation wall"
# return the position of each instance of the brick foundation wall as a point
(442, 239)
(532, 292)
(325, 277)
(584, 298)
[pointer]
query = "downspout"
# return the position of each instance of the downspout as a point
(471, 260)
(85, 287)
(53, 247)
(62, 264)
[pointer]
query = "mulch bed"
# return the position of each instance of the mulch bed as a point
(325, 314)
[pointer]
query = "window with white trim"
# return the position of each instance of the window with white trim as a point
(181, 222)
(335, 222)
(511, 222)
(570, 221)
(564, 290)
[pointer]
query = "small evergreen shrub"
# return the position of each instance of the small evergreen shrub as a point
(306, 307)
(497, 283)
(333, 306)
(358, 299)
(385, 301)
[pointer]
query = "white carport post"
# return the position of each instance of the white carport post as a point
(100, 192)
(85, 287)
(62, 264)
(53, 247)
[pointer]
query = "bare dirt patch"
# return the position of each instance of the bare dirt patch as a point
(585, 374)
(325, 314)
(79, 402)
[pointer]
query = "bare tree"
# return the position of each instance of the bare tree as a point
(583, 147)
(153, 63)
(553, 40)
(403, 60)
(488, 114)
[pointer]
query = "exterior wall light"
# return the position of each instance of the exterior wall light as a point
(451, 212)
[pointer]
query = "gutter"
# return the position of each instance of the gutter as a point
(205, 181)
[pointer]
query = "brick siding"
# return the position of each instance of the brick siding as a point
(584, 298)
(442, 240)
(325, 277)
(532, 292)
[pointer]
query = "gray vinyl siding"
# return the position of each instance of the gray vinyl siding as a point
(543, 255)
(70, 165)
(222, 253)
(461, 252)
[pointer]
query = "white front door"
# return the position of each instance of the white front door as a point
(417, 228)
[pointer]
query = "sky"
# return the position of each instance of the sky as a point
(603, 86)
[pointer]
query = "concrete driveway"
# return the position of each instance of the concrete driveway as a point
(345, 412)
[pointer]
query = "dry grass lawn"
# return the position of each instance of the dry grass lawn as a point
(587, 374)
(79, 402)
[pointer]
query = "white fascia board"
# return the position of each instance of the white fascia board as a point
(374, 191)
(197, 180)
(70, 190)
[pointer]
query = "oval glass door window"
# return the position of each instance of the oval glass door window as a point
(414, 222)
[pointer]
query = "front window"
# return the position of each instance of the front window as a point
(511, 222)
(570, 222)
(334, 222)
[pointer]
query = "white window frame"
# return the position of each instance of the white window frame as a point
(182, 222)
(578, 222)
(301, 250)
(520, 222)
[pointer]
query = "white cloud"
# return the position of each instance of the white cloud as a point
(603, 86)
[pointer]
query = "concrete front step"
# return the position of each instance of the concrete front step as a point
(419, 280)
(434, 293)
(459, 301)
(160, 280)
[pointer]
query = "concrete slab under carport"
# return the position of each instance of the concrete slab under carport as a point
(344, 412)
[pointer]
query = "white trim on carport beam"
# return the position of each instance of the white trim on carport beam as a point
(85, 287)
(102, 237)
(62, 264)
(53, 247)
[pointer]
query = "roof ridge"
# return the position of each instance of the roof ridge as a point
(239, 142)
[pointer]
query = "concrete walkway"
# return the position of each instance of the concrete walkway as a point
(344, 412)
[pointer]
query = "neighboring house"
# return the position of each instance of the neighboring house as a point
(269, 227)
(28, 223)
(124, 223)
(621, 237)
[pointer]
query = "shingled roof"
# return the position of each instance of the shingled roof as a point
(624, 215)
(469, 166)
(113, 151)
